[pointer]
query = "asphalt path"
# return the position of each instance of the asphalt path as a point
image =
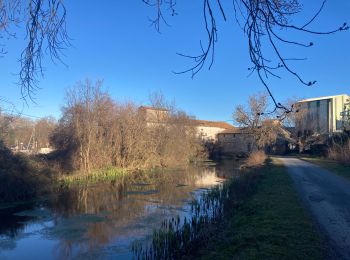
(327, 197)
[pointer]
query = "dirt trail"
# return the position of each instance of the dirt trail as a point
(327, 196)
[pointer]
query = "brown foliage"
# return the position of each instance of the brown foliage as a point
(340, 152)
(96, 131)
(21, 177)
(256, 158)
(17, 131)
(257, 121)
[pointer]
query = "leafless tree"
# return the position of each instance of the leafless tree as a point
(262, 22)
(5, 122)
(45, 27)
(43, 129)
(96, 131)
(262, 126)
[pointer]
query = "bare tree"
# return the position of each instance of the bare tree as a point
(5, 122)
(43, 129)
(96, 132)
(259, 124)
(262, 22)
(45, 27)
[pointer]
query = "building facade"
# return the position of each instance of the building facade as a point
(209, 130)
(206, 130)
(323, 115)
(235, 141)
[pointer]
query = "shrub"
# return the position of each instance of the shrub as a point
(21, 178)
(96, 131)
(256, 158)
(340, 151)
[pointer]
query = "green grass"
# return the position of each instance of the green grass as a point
(105, 174)
(271, 224)
(335, 167)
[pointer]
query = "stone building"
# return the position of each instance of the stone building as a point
(207, 130)
(235, 141)
(210, 130)
(154, 115)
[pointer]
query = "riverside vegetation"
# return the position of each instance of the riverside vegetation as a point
(98, 138)
(254, 216)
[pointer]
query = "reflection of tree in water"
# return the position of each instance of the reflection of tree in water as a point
(126, 210)
(11, 225)
(228, 168)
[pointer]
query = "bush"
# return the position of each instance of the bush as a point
(21, 178)
(256, 158)
(96, 131)
(340, 151)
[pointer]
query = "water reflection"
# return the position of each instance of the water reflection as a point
(101, 221)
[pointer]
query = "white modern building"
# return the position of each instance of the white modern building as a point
(324, 115)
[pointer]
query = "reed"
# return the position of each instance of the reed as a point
(178, 237)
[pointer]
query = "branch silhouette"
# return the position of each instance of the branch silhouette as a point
(259, 20)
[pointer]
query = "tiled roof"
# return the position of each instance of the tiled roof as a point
(235, 130)
(153, 108)
(219, 124)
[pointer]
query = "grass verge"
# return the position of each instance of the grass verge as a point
(334, 166)
(272, 224)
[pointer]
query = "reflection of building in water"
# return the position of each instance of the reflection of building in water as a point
(208, 178)
(102, 220)
(323, 115)
(123, 212)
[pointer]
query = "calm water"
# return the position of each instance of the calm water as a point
(102, 221)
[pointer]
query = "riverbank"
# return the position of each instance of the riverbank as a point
(272, 224)
(29, 177)
(264, 220)
(103, 219)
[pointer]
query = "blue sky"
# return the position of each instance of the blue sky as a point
(113, 41)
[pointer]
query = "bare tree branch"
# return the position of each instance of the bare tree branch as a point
(45, 26)
(260, 20)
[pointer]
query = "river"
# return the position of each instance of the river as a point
(102, 221)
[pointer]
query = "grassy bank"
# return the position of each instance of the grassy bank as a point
(258, 216)
(334, 166)
(272, 224)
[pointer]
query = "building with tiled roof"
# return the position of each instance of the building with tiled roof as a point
(207, 130)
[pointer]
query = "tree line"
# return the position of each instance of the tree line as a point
(20, 133)
(96, 131)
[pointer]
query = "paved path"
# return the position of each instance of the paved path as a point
(327, 196)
